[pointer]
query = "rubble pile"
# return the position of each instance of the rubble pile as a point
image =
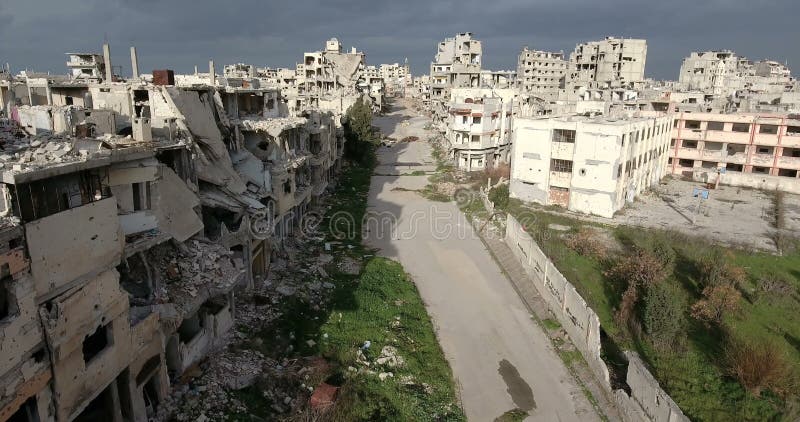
(23, 154)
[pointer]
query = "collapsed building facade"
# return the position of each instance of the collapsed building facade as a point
(131, 221)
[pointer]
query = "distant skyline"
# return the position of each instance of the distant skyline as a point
(180, 34)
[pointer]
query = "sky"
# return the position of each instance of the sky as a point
(181, 34)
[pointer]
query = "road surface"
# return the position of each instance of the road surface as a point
(501, 358)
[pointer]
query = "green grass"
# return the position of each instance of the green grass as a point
(694, 375)
(385, 308)
(514, 415)
(551, 324)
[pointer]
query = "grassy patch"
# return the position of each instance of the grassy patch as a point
(551, 324)
(693, 373)
(514, 415)
(385, 309)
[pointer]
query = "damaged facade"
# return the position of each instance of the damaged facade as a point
(134, 215)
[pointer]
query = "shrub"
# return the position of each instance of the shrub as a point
(716, 268)
(664, 314)
(585, 242)
(773, 284)
(499, 196)
(760, 365)
(637, 271)
(717, 301)
(640, 268)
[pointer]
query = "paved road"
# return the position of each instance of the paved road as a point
(501, 359)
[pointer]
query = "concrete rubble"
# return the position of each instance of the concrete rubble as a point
(152, 228)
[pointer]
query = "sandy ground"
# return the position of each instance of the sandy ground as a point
(730, 215)
(408, 156)
(501, 359)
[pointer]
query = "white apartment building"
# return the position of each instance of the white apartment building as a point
(612, 62)
(591, 165)
(479, 127)
(541, 73)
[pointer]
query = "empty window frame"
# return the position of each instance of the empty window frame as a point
(716, 126)
(768, 129)
(692, 124)
(564, 135)
(96, 342)
(141, 196)
(741, 127)
(560, 166)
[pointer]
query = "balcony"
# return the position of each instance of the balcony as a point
(730, 137)
(789, 162)
(561, 179)
(763, 160)
(765, 139)
(689, 153)
(713, 155)
(562, 150)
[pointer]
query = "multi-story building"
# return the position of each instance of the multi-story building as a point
(457, 65)
(612, 62)
(591, 165)
(127, 224)
(86, 66)
(479, 127)
(541, 73)
(754, 150)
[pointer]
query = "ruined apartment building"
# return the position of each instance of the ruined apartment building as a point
(730, 83)
(129, 224)
(457, 64)
(591, 165)
(541, 74)
(753, 150)
(479, 127)
(612, 62)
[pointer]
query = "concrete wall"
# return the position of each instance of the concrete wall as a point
(95, 240)
(750, 180)
(647, 400)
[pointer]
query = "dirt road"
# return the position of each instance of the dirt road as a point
(501, 358)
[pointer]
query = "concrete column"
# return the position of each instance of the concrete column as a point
(49, 93)
(212, 75)
(107, 61)
(134, 63)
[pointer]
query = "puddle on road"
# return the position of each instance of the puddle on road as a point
(520, 391)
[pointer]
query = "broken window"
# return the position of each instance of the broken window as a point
(787, 172)
(564, 135)
(686, 163)
(716, 126)
(28, 412)
(141, 196)
(476, 120)
(760, 170)
(791, 152)
(8, 303)
(741, 127)
(96, 342)
(764, 150)
(734, 167)
(768, 129)
(190, 327)
(689, 144)
(560, 166)
(793, 130)
(692, 124)
(46, 197)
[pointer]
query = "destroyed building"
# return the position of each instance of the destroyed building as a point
(132, 220)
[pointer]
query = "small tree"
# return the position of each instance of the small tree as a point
(717, 302)
(664, 314)
(358, 131)
(637, 271)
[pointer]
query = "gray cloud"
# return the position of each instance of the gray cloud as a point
(179, 34)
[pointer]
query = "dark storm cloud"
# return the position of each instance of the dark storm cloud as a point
(179, 34)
